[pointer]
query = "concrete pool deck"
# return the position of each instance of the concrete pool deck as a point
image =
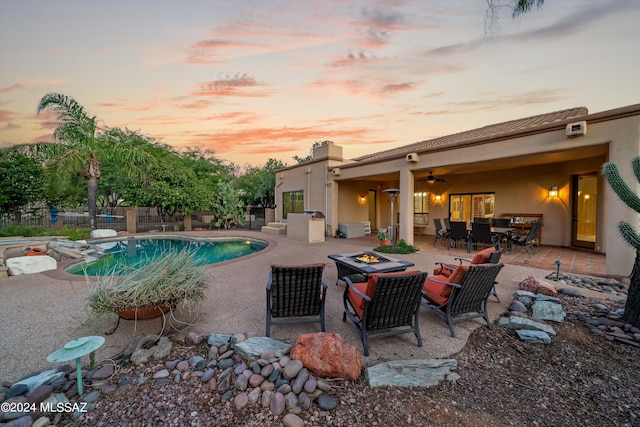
(41, 312)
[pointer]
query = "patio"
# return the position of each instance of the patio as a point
(44, 311)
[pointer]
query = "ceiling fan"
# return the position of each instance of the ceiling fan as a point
(432, 179)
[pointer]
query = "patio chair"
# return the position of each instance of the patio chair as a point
(447, 224)
(486, 256)
(482, 220)
(502, 222)
(458, 233)
(441, 232)
(527, 241)
(384, 304)
(466, 291)
(296, 291)
(481, 235)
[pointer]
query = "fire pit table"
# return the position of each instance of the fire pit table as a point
(358, 265)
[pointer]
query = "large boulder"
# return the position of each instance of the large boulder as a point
(103, 232)
(30, 264)
(327, 355)
(538, 286)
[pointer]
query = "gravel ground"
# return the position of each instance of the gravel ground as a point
(580, 379)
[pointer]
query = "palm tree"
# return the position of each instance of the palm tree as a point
(80, 148)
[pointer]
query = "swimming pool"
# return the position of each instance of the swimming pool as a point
(136, 250)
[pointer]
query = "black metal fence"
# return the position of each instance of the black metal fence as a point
(147, 219)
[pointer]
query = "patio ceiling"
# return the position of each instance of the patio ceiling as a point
(442, 171)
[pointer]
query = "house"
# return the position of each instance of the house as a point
(545, 167)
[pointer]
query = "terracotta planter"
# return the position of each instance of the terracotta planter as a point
(384, 242)
(143, 313)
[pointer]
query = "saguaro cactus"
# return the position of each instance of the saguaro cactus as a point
(610, 171)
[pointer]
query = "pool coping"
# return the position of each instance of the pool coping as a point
(60, 274)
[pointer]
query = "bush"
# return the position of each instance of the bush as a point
(26, 231)
(401, 247)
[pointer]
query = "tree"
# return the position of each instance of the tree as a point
(611, 173)
(168, 185)
(517, 7)
(309, 157)
(257, 184)
(22, 182)
(80, 148)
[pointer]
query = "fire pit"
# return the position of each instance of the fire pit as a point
(369, 258)
(365, 263)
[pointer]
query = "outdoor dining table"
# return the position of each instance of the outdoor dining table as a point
(366, 263)
(500, 231)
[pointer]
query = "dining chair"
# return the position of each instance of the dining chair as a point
(481, 235)
(459, 233)
(441, 233)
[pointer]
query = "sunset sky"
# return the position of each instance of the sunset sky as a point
(259, 79)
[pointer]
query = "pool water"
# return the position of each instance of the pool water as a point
(135, 251)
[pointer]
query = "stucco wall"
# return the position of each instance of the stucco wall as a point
(520, 170)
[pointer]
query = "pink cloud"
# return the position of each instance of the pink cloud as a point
(6, 115)
(399, 87)
(272, 141)
(235, 86)
(11, 88)
(10, 126)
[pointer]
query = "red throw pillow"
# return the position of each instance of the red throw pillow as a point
(483, 256)
(455, 277)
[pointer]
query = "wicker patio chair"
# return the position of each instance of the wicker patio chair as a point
(458, 233)
(441, 232)
(486, 256)
(481, 235)
(527, 241)
(295, 291)
(387, 304)
(467, 290)
(501, 222)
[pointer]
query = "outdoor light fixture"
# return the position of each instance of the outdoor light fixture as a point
(393, 193)
(362, 200)
(438, 197)
(553, 191)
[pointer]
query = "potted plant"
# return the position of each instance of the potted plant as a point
(383, 237)
(151, 288)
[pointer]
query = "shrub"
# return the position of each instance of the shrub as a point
(28, 231)
(401, 247)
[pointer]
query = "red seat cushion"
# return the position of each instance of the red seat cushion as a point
(481, 257)
(435, 290)
(439, 292)
(368, 288)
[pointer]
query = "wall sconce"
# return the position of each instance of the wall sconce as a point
(553, 191)
(362, 200)
(438, 197)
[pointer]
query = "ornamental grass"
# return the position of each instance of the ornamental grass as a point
(167, 281)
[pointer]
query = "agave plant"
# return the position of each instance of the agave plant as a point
(165, 281)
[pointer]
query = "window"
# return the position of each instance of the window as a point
(421, 208)
(292, 202)
(465, 207)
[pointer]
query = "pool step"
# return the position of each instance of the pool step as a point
(275, 228)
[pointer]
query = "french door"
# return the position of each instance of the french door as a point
(584, 196)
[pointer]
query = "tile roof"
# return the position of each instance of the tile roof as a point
(495, 130)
